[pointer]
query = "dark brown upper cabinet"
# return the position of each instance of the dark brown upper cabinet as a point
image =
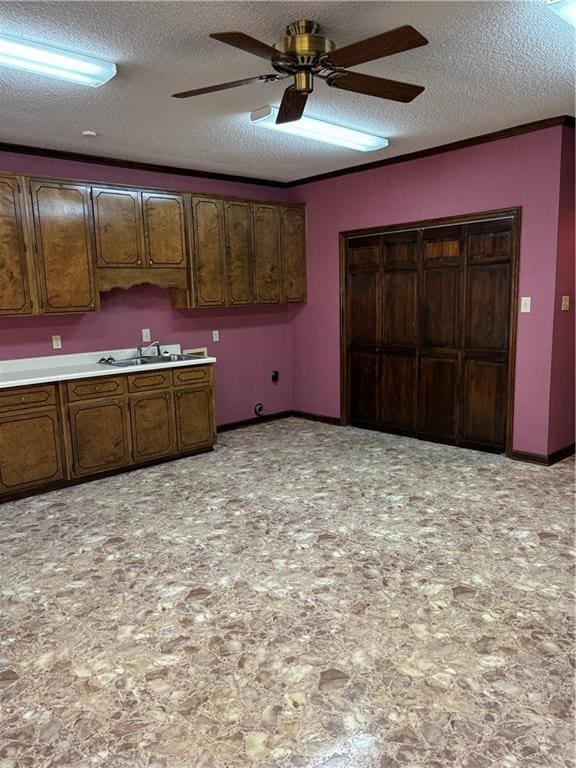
(65, 242)
(209, 257)
(16, 296)
(117, 225)
(140, 237)
(293, 249)
(164, 230)
(64, 246)
(239, 252)
(267, 268)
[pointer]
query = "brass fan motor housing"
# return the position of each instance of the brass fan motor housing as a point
(305, 42)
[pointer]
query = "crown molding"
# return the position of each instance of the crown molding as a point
(57, 154)
(115, 162)
(484, 138)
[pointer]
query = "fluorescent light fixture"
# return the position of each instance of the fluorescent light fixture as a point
(564, 8)
(319, 130)
(54, 62)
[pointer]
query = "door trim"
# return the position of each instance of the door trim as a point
(515, 215)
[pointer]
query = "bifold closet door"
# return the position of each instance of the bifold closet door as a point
(439, 354)
(398, 377)
(428, 332)
(364, 331)
(485, 343)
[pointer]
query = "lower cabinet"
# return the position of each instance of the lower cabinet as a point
(99, 436)
(194, 417)
(153, 428)
(30, 449)
(108, 423)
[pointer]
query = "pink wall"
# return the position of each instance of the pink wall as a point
(253, 341)
(562, 389)
(520, 171)
(302, 342)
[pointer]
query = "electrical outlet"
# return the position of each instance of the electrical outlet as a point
(565, 303)
(146, 334)
(526, 304)
(56, 342)
(215, 335)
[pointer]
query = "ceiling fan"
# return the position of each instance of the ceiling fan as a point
(305, 54)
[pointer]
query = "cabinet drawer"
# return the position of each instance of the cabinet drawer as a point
(201, 374)
(140, 382)
(102, 387)
(27, 397)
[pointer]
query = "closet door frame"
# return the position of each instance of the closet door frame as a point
(515, 216)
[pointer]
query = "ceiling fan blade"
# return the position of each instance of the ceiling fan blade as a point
(374, 86)
(251, 45)
(225, 86)
(395, 41)
(292, 106)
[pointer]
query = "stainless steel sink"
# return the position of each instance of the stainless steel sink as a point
(130, 362)
(177, 357)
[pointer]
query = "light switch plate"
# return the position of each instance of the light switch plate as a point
(146, 334)
(56, 342)
(215, 335)
(526, 304)
(565, 303)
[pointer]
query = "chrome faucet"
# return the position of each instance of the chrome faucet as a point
(142, 350)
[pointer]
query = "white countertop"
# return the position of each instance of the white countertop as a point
(40, 370)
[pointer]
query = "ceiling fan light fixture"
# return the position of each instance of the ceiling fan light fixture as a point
(319, 130)
(28, 56)
(564, 8)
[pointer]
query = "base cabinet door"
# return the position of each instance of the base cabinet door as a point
(153, 427)
(99, 436)
(30, 450)
(194, 417)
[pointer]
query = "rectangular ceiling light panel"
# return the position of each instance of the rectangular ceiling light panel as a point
(318, 130)
(54, 62)
(564, 8)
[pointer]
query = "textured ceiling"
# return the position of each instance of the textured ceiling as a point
(488, 66)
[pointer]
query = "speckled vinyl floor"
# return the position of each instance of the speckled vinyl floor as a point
(305, 596)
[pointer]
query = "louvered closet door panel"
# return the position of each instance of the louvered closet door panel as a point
(364, 378)
(398, 360)
(439, 357)
(399, 308)
(364, 330)
(398, 396)
(364, 309)
(486, 331)
(437, 397)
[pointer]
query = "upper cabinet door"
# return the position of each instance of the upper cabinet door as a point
(239, 252)
(64, 246)
(209, 258)
(293, 239)
(117, 227)
(164, 229)
(15, 296)
(267, 254)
